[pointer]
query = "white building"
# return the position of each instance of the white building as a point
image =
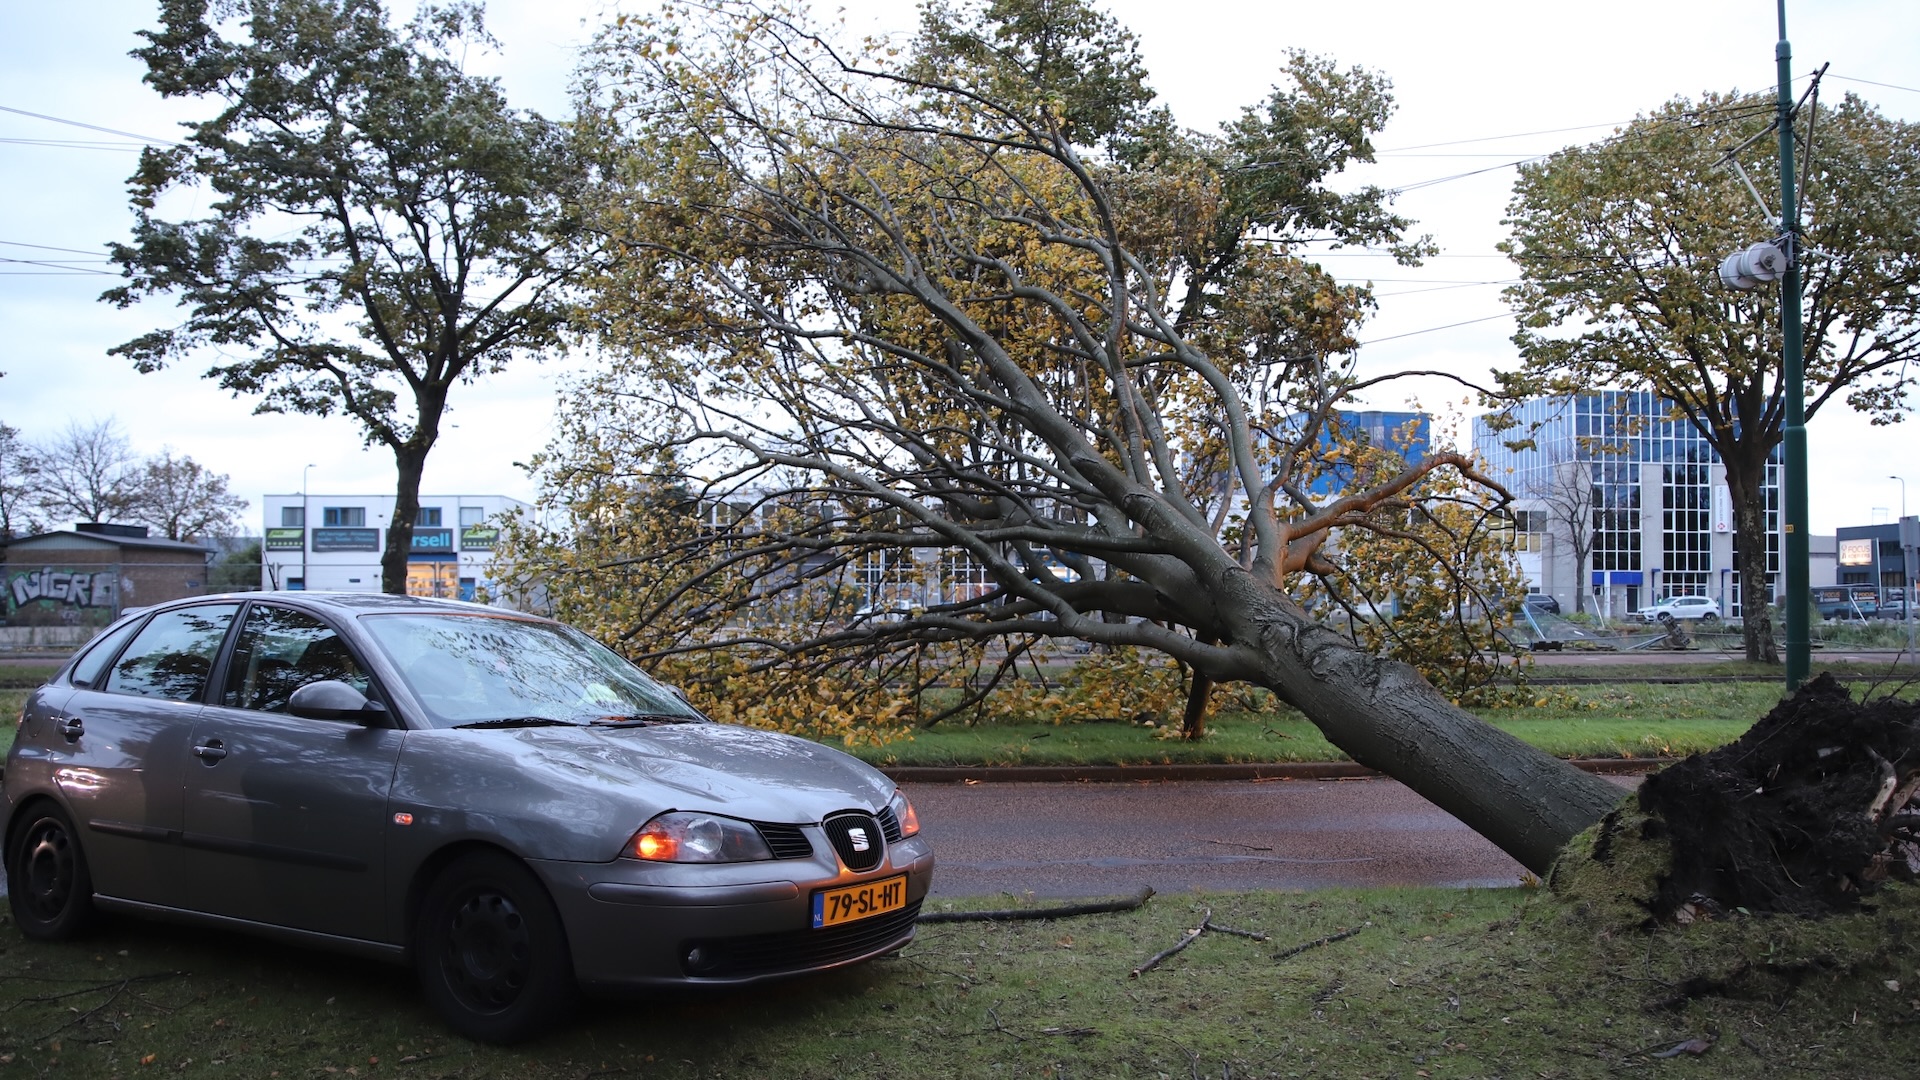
(334, 542)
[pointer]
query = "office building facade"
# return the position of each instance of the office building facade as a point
(334, 543)
(1613, 473)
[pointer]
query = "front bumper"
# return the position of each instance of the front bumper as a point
(636, 925)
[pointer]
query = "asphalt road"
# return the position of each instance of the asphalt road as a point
(1084, 840)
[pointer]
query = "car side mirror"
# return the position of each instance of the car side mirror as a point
(331, 699)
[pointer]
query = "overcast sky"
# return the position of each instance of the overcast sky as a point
(1480, 86)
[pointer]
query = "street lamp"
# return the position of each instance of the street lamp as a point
(1907, 541)
(306, 527)
(1778, 260)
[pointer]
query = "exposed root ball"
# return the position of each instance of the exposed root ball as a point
(1806, 813)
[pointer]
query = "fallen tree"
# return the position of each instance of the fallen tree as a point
(929, 321)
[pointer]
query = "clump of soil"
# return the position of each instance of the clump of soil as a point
(1806, 814)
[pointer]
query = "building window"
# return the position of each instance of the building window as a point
(293, 517)
(962, 577)
(427, 517)
(343, 517)
(472, 515)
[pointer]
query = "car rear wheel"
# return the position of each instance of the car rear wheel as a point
(1710, 617)
(48, 886)
(490, 951)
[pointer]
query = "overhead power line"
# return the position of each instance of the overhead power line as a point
(1431, 329)
(89, 127)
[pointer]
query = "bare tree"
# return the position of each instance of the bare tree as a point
(182, 500)
(87, 472)
(1563, 487)
(19, 514)
(879, 313)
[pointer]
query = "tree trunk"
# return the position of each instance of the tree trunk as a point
(1750, 532)
(1385, 716)
(410, 461)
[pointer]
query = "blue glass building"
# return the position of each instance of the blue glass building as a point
(1616, 473)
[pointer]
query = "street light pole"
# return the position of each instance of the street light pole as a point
(306, 527)
(1907, 590)
(1799, 580)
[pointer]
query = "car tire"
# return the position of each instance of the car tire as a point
(490, 951)
(1710, 617)
(49, 888)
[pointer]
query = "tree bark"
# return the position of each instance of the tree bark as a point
(1385, 716)
(410, 461)
(1750, 532)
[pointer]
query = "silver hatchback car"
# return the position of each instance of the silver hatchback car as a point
(494, 798)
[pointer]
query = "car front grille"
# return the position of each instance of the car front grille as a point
(857, 838)
(785, 841)
(797, 950)
(889, 824)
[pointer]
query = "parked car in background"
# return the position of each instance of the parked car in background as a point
(496, 799)
(1540, 601)
(1703, 608)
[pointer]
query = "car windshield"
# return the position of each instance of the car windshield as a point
(481, 669)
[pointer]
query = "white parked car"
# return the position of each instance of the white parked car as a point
(1703, 608)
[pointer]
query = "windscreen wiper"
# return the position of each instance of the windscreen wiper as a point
(521, 722)
(645, 719)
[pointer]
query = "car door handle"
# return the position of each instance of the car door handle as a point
(70, 726)
(210, 751)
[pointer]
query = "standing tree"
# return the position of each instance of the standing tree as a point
(874, 311)
(182, 500)
(86, 473)
(385, 227)
(1618, 245)
(1564, 489)
(19, 513)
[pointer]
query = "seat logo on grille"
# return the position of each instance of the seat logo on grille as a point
(859, 838)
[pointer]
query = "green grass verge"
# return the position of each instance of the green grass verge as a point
(1434, 983)
(1627, 719)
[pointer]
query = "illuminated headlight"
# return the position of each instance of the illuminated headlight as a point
(903, 813)
(680, 836)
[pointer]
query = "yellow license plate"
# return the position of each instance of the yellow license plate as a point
(831, 907)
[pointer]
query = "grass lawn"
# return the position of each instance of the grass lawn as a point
(1431, 983)
(1610, 720)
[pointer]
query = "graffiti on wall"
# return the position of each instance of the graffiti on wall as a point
(60, 588)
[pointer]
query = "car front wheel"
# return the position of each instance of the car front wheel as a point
(48, 886)
(1710, 617)
(490, 951)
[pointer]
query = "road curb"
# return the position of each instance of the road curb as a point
(1283, 770)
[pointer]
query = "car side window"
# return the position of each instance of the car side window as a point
(280, 650)
(88, 669)
(172, 655)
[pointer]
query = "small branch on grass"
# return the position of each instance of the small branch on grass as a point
(1086, 907)
(1229, 843)
(1193, 935)
(1001, 1028)
(114, 989)
(1343, 935)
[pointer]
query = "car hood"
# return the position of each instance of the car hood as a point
(624, 775)
(720, 767)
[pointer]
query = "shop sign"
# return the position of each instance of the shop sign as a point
(1856, 552)
(286, 539)
(432, 541)
(479, 538)
(346, 540)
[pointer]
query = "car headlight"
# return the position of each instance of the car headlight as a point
(903, 813)
(682, 836)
